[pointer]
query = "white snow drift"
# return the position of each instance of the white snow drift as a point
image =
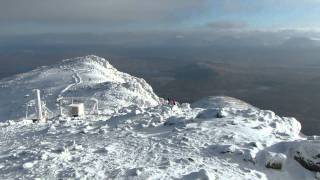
(139, 136)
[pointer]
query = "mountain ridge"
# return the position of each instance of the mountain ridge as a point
(138, 135)
(89, 76)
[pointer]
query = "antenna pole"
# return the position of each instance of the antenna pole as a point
(26, 110)
(60, 107)
(97, 107)
(39, 105)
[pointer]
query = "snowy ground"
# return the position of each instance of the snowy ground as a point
(138, 136)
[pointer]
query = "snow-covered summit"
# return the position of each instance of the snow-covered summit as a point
(137, 136)
(89, 76)
(221, 101)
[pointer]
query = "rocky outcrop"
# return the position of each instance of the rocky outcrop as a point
(308, 154)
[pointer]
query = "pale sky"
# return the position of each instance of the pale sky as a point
(42, 16)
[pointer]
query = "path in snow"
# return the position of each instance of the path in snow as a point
(77, 80)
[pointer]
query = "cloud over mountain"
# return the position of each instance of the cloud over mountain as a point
(106, 11)
(227, 25)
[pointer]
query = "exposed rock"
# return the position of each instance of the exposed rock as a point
(308, 155)
(275, 160)
(199, 175)
(134, 171)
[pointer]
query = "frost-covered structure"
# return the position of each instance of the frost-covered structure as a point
(137, 136)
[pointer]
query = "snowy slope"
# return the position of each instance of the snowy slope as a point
(89, 76)
(140, 137)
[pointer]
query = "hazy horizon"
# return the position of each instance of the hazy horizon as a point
(264, 52)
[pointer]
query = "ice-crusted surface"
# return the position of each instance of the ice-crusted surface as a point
(214, 138)
(89, 76)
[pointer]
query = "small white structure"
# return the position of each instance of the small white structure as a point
(76, 110)
(67, 103)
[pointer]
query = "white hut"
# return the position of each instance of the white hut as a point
(76, 110)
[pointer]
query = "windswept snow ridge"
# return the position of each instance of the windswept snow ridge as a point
(138, 136)
(88, 76)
